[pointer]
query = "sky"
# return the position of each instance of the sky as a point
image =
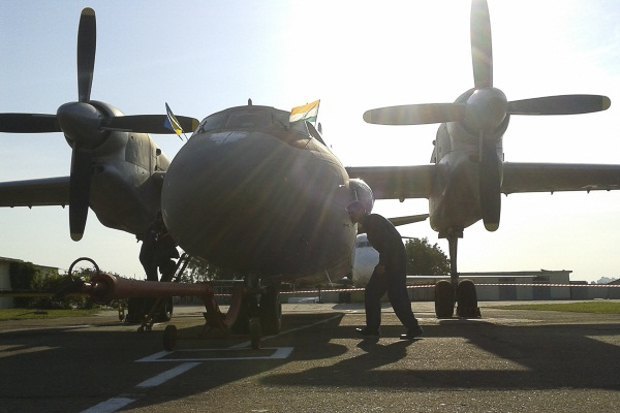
(204, 56)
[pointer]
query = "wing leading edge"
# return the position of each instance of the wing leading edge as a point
(35, 192)
(552, 177)
(401, 182)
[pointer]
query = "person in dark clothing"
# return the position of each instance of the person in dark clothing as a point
(158, 251)
(147, 254)
(388, 276)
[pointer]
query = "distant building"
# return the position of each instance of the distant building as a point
(612, 293)
(9, 266)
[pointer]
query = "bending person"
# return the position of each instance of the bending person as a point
(388, 276)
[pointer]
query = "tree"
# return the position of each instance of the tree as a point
(424, 259)
(22, 275)
(27, 278)
(200, 270)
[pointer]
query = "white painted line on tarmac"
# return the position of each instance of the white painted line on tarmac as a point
(154, 357)
(115, 404)
(216, 355)
(110, 405)
(167, 375)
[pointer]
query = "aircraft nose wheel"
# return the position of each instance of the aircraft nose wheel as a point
(170, 337)
(262, 312)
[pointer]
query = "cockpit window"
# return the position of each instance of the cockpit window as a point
(257, 118)
(249, 120)
(213, 122)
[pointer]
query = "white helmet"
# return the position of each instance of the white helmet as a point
(362, 194)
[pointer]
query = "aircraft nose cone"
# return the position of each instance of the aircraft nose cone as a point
(223, 186)
(249, 201)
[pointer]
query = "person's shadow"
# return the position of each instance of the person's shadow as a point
(357, 369)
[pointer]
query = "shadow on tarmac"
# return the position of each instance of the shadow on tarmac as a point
(477, 355)
(74, 369)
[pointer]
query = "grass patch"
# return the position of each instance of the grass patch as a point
(594, 307)
(32, 314)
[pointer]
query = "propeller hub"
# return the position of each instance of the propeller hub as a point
(80, 123)
(485, 110)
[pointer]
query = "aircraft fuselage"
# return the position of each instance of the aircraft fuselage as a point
(254, 194)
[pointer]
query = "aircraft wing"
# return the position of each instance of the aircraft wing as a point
(550, 177)
(35, 192)
(396, 182)
(410, 219)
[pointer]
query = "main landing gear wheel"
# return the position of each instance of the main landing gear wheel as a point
(444, 299)
(467, 300)
(270, 311)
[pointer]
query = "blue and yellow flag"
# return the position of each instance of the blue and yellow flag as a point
(173, 124)
(307, 112)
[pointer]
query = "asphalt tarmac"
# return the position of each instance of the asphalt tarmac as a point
(508, 361)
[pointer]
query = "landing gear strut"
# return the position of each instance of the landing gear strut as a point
(462, 292)
(260, 312)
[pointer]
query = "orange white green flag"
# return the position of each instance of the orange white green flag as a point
(306, 112)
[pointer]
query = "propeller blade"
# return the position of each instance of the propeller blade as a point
(559, 105)
(416, 114)
(79, 191)
(87, 44)
(28, 123)
(481, 44)
(489, 184)
(148, 124)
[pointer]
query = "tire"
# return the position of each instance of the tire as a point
(467, 300)
(270, 312)
(444, 299)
